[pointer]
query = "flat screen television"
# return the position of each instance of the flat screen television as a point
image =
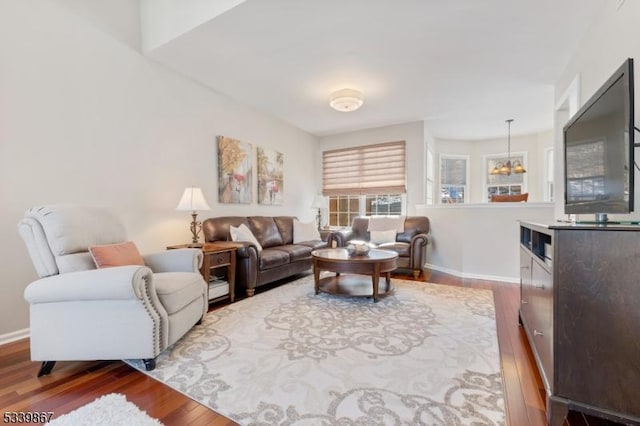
(598, 150)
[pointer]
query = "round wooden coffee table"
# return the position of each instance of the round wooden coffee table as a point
(359, 268)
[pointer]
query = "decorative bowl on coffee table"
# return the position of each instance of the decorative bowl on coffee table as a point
(358, 248)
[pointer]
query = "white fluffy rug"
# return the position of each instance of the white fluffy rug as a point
(108, 410)
(427, 354)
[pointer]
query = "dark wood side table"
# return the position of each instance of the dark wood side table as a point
(217, 255)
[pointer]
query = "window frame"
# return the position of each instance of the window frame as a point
(524, 185)
(362, 207)
(430, 177)
(339, 213)
(548, 180)
(466, 186)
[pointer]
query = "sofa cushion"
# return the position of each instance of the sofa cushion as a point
(72, 228)
(403, 249)
(296, 251)
(266, 231)
(382, 237)
(121, 254)
(218, 228)
(384, 223)
(272, 257)
(359, 228)
(285, 226)
(243, 234)
(318, 244)
(177, 289)
(69, 231)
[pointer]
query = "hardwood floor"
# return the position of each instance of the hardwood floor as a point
(73, 384)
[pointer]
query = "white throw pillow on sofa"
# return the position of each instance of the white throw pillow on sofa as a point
(243, 233)
(382, 237)
(304, 232)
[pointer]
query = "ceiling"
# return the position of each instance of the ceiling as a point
(462, 66)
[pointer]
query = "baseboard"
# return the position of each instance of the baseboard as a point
(472, 276)
(13, 336)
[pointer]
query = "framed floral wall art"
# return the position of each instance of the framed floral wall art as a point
(235, 171)
(270, 176)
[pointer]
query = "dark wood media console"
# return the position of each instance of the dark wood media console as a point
(580, 308)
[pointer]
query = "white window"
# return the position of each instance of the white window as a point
(454, 172)
(343, 208)
(364, 180)
(548, 175)
(503, 184)
(383, 205)
(430, 179)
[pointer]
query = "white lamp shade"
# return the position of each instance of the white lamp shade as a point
(319, 202)
(192, 200)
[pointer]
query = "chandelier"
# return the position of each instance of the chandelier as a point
(507, 168)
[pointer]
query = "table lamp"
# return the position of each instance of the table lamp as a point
(193, 200)
(319, 202)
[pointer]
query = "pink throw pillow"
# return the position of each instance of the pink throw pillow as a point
(111, 255)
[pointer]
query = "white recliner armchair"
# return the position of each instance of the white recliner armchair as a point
(78, 312)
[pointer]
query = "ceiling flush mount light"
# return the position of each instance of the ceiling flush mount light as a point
(346, 100)
(507, 168)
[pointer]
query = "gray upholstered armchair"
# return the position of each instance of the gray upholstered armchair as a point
(409, 240)
(78, 312)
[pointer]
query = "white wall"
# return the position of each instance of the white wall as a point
(611, 39)
(411, 133)
(480, 240)
(119, 18)
(86, 119)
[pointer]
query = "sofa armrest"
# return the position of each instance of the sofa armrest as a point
(177, 260)
(118, 283)
(419, 240)
(418, 249)
(247, 265)
(247, 250)
(340, 237)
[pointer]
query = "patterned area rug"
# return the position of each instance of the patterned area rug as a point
(425, 355)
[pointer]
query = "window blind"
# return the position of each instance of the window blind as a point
(453, 171)
(363, 170)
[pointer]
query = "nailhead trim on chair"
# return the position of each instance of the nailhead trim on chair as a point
(155, 317)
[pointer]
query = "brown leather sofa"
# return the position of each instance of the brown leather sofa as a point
(279, 258)
(411, 245)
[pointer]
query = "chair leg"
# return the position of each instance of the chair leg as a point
(416, 273)
(46, 368)
(149, 364)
